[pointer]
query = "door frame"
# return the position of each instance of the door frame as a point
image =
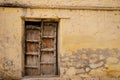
(23, 41)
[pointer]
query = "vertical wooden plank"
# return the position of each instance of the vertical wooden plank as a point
(39, 52)
(56, 45)
(55, 49)
(40, 55)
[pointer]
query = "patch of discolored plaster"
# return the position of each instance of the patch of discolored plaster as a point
(7, 68)
(92, 62)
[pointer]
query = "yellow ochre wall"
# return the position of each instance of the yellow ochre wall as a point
(104, 3)
(78, 29)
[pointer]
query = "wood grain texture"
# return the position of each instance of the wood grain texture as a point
(32, 49)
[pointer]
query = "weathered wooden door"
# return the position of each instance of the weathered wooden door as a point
(41, 51)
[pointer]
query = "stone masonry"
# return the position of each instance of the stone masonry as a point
(86, 62)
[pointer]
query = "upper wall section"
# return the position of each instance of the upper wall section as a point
(63, 4)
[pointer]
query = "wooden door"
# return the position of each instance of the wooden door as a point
(41, 51)
(48, 49)
(32, 54)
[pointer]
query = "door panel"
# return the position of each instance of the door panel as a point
(31, 60)
(32, 47)
(49, 29)
(33, 35)
(47, 43)
(31, 72)
(47, 70)
(47, 57)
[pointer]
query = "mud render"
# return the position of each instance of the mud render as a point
(87, 39)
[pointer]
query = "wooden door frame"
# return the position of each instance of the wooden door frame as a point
(23, 41)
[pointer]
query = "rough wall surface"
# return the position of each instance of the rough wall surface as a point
(91, 63)
(98, 3)
(88, 42)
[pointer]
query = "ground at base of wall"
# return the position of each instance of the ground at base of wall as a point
(75, 78)
(68, 78)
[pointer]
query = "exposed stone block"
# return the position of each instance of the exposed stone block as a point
(80, 71)
(87, 69)
(112, 60)
(96, 65)
(65, 59)
(71, 71)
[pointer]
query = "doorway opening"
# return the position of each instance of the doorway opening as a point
(41, 56)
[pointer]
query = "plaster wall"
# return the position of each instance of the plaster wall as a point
(46, 3)
(79, 30)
